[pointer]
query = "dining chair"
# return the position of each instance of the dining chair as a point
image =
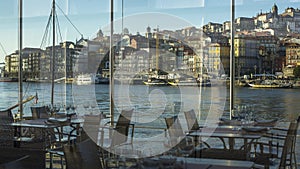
(6, 130)
(191, 120)
(120, 131)
(39, 112)
(59, 137)
(117, 136)
(83, 155)
(174, 130)
(193, 125)
(91, 126)
(177, 138)
(273, 149)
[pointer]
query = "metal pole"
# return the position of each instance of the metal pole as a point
(111, 62)
(122, 17)
(53, 53)
(232, 60)
(157, 51)
(20, 58)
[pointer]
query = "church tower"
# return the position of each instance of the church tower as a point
(148, 33)
(275, 10)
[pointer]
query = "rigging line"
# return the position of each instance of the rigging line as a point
(69, 20)
(3, 49)
(26, 90)
(46, 31)
(58, 28)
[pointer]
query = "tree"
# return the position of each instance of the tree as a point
(296, 71)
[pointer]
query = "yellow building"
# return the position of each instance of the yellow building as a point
(12, 64)
(219, 58)
(246, 54)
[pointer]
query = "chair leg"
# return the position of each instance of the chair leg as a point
(61, 162)
(51, 160)
(295, 159)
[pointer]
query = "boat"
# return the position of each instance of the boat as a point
(100, 79)
(270, 84)
(184, 82)
(8, 79)
(85, 79)
(156, 82)
(296, 84)
(204, 83)
(190, 81)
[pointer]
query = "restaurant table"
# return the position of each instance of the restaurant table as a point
(229, 132)
(206, 163)
(45, 125)
(232, 134)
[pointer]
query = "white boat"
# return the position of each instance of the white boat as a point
(191, 82)
(85, 79)
(156, 82)
(184, 82)
(270, 84)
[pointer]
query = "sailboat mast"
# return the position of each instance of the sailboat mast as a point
(111, 61)
(53, 52)
(232, 60)
(20, 58)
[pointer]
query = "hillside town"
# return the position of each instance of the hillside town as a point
(267, 43)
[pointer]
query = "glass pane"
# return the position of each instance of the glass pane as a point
(159, 58)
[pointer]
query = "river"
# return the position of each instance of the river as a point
(279, 103)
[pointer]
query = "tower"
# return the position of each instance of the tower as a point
(148, 33)
(275, 10)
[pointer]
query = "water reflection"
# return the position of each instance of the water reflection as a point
(281, 103)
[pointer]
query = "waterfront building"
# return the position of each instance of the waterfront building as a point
(293, 53)
(199, 46)
(65, 58)
(2, 69)
(12, 64)
(246, 53)
(31, 62)
(282, 24)
(280, 61)
(244, 23)
(269, 59)
(219, 60)
(213, 28)
(226, 27)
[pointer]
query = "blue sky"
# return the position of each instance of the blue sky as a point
(90, 15)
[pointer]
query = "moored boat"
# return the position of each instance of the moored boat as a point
(100, 79)
(85, 79)
(205, 83)
(270, 84)
(8, 79)
(184, 82)
(156, 82)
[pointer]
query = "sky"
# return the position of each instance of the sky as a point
(91, 15)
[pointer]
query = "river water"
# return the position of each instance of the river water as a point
(155, 101)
